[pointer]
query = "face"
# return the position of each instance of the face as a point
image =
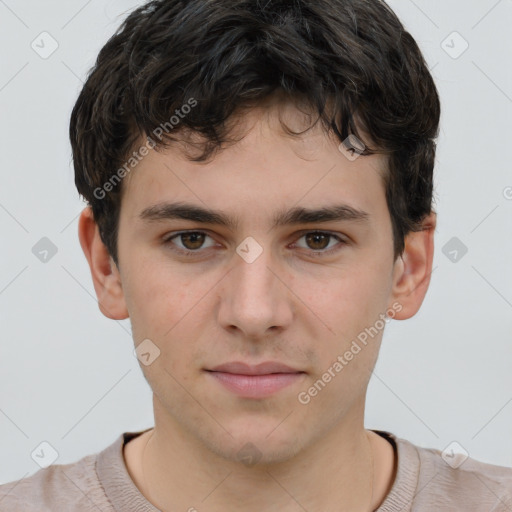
(304, 292)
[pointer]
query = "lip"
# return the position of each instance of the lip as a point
(255, 381)
(266, 368)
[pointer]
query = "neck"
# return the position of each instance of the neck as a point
(175, 472)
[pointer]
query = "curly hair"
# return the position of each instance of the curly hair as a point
(224, 56)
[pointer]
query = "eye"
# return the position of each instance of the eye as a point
(318, 241)
(191, 241)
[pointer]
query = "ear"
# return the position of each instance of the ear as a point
(412, 270)
(105, 275)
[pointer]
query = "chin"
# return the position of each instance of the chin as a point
(254, 453)
(258, 443)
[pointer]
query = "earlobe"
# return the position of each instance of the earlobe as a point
(105, 275)
(412, 271)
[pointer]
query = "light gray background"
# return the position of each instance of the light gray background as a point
(68, 375)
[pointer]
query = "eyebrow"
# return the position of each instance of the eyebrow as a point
(297, 215)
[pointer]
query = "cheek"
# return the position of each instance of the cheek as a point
(347, 322)
(168, 309)
(351, 297)
(158, 298)
(339, 385)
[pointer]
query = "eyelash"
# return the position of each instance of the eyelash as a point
(168, 241)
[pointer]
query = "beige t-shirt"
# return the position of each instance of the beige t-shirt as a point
(101, 483)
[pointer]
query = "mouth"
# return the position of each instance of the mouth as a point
(255, 381)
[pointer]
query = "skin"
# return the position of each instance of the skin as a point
(287, 306)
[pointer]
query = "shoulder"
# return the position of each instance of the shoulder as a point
(456, 482)
(70, 487)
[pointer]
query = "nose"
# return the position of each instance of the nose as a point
(255, 298)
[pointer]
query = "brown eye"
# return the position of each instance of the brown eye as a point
(192, 241)
(318, 241)
(188, 242)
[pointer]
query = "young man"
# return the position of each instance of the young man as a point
(259, 180)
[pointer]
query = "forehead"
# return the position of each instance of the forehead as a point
(266, 169)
